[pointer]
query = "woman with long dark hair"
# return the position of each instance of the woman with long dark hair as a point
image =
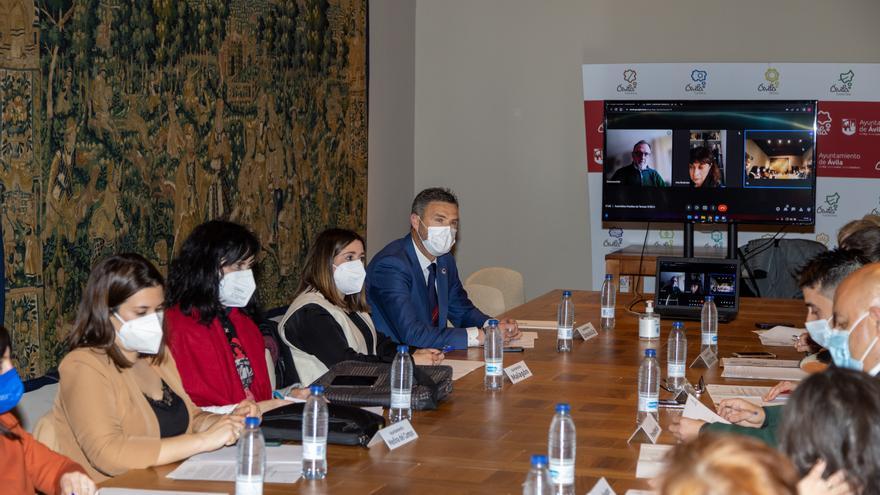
(703, 168)
(120, 403)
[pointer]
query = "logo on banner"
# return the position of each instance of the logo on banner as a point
(597, 156)
(771, 81)
(716, 237)
(823, 238)
(629, 82)
(666, 238)
(848, 126)
(698, 81)
(615, 237)
(829, 209)
(844, 83)
(601, 128)
(824, 121)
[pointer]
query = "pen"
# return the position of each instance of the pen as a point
(447, 348)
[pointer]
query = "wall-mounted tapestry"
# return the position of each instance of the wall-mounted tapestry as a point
(125, 123)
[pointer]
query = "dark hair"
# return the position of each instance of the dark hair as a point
(827, 269)
(865, 240)
(317, 273)
(641, 143)
(194, 274)
(702, 154)
(430, 195)
(833, 416)
(112, 281)
(6, 343)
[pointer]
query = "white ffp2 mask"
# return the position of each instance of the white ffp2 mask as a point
(440, 239)
(236, 288)
(143, 335)
(349, 276)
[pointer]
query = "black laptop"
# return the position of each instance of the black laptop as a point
(683, 284)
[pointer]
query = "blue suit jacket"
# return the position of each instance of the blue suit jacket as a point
(398, 297)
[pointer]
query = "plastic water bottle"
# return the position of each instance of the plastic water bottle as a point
(314, 435)
(561, 450)
(564, 323)
(493, 352)
(251, 459)
(709, 325)
(401, 386)
(649, 323)
(538, 480)
(609, 295)
(676, 357)
(649, 386)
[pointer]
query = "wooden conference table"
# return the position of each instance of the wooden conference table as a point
(480, 442)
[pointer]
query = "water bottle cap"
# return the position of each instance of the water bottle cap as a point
(609, 276)
(710, 298)
(566, 293)
(678, 324)
(316, 389)
(492, 323)
(403, 348)
(251, 422)
(539, 460)
(650, 352)
(563, 407)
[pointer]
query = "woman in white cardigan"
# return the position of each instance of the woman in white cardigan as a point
(328, 321)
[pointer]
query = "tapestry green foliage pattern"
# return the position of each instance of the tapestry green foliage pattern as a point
(125, 123)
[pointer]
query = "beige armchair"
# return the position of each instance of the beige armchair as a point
(508, 282)
(487, 299)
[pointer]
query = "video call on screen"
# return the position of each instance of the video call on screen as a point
(688, 284)
(710, 161)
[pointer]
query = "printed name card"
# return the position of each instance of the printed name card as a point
(587, 331)
(518, 372)
(398, 434)
(706, 359)
(649, 428)
(601, 488)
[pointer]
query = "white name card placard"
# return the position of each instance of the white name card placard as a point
(394, 436)
(587, 331)
(649, 427)
(706, 359)
(601, 488)
(518, 372)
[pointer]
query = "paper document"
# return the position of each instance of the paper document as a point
(694, 409)
(537, 324)
(461, 367)
(640, 492)
(526, 340)
(132, 491)
(764, 373)
(651, 460)
(779, 336)
(761, 363)
(283, 465)
(751, 394)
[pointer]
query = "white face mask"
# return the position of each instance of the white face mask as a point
(350, 276)
(819, 331)
(236, 288)
(143, 335)
(440, 239)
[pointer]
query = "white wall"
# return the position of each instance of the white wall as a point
(498, 102)
(390, 169)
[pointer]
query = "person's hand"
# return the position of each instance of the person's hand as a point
(741, 412)
(509, 329)
(247, 408)
(685, 429)
(779, 389)
(813, 484)
(802, 344)
(428, 357)
(76, 483)
(299, 393)
(222, 433)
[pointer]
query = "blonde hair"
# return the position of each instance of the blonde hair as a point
(867, 221)
(727, 465)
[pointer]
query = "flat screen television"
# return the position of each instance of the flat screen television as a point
(710, 161)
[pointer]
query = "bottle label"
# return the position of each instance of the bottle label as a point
(675, 370)
(562, 471)
(494, 367)
(401, 399)
(710, 338)
(248, 485)
(649, 328)
(564, 333)
(315, 449)
(607, 312)
(648, 402)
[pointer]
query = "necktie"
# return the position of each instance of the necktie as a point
(432, 294)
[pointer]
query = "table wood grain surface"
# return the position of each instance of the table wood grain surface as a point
(480, 442)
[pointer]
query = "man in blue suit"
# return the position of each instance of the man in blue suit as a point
(413, 286)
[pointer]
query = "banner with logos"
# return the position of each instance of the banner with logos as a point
(847, 127)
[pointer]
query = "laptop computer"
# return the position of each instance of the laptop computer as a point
(683, 284)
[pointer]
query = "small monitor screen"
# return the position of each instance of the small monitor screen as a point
(710, 161)
(686, 283)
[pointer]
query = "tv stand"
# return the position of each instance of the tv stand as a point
(732, 242)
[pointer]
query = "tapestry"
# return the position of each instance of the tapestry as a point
(126, 123)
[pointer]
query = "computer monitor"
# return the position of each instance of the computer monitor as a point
(710, 161)
(683, 284)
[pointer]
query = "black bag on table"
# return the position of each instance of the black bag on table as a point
(356, 383)
(346, 426)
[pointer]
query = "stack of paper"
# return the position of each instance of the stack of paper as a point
(762, 369)
(526, 340)
(283, 465)
(651, 460)
(780, 336)
(462, 367)
(751, 394)
(694, 409)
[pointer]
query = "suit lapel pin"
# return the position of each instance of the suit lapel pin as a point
(443, 271)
